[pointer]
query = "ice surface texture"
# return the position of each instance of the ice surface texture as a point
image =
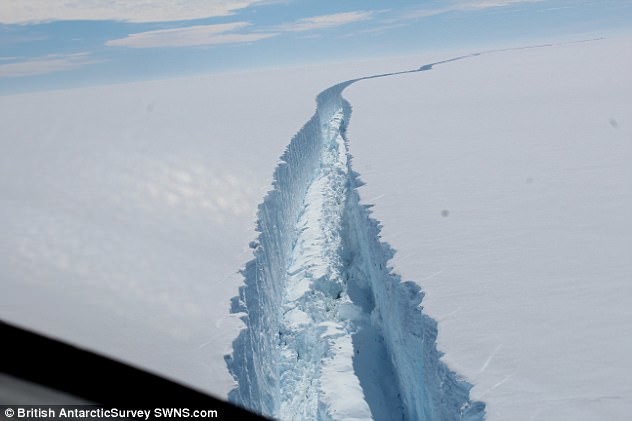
(331, 332)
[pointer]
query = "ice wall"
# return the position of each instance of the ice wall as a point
(331, 332)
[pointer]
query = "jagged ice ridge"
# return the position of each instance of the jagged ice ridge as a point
(331, 332)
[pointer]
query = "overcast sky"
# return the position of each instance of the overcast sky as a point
(47, 44)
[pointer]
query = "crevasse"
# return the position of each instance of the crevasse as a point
(331, 332)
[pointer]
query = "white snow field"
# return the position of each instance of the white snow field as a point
(126, 210)
(502, 180)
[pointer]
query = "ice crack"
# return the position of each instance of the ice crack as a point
(331, 333)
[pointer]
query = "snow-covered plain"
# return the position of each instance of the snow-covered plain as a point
(501, 179)
(126, 210)
(505, 183)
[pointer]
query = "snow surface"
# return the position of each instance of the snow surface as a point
(504, 182)
(126, 211)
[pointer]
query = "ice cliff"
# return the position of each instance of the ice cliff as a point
(331, 332)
